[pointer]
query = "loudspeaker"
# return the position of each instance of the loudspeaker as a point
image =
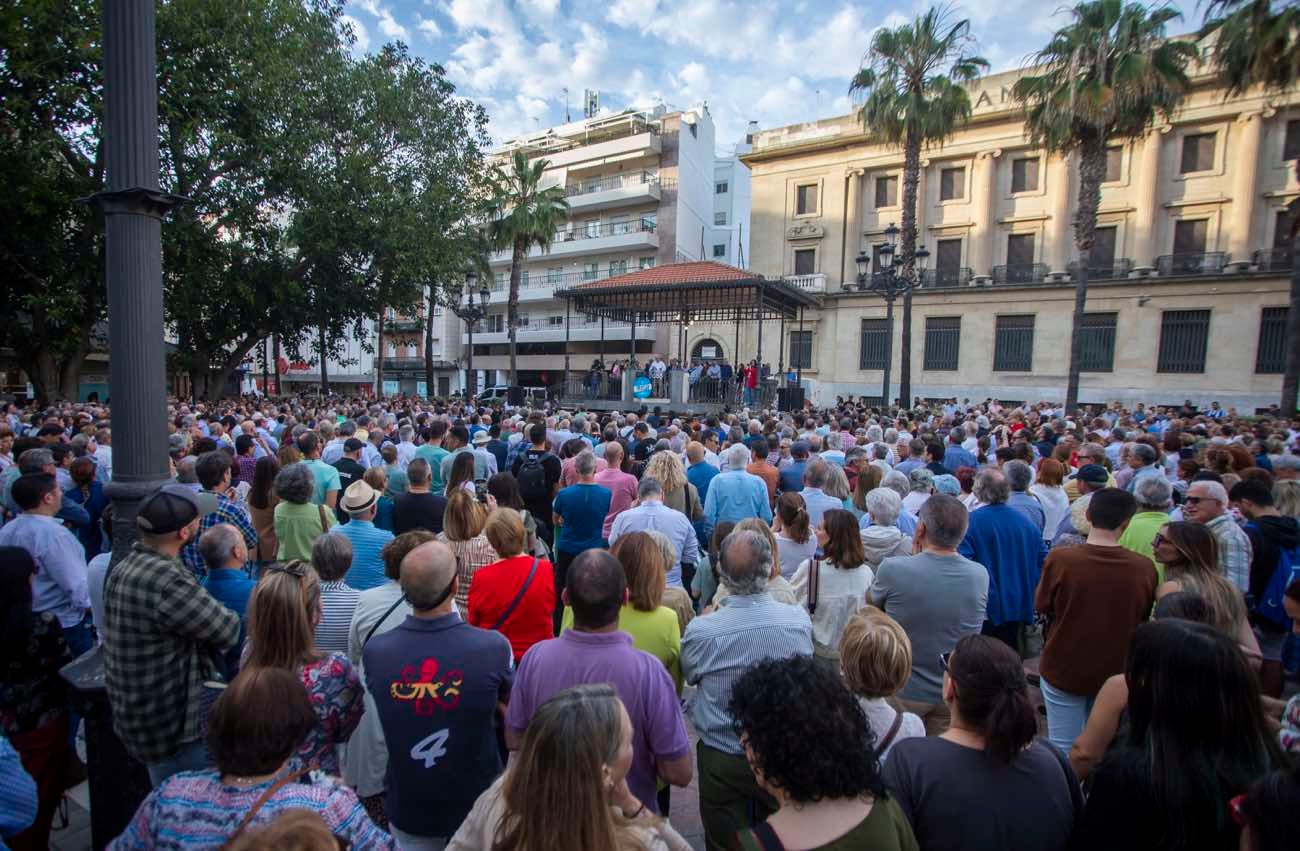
(789, 398)
(515, 395)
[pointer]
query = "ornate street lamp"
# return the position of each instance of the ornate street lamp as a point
(471, 313)
(888, 282)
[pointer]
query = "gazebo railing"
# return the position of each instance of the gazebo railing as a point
(716, 391)
(593, 386)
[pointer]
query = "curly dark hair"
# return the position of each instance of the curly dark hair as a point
(808, 734)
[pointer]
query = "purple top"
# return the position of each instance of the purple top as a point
(336, 694)
(577, 658)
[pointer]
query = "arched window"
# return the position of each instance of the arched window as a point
(707, 349)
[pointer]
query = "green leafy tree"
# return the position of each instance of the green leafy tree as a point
(522, 213)
(1105, 76)
(913, 88)
(1257, 43)
(51, 152)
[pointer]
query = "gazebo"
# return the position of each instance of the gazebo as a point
(681, 293)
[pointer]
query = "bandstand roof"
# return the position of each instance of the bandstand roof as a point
(695, 290)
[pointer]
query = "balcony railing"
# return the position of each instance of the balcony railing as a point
(404, 325)
(1020, 273)
(815, 283)
(403, 364)
(607, 229)
(593, 385)
(1117, 270)
(560, 280)
(1201, 263)
(1273, 259)
(613, 181)
(955, 277)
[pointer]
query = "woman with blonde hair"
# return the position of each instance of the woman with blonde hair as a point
(1189, 553)
(283, 612)
(567, 786)
(1286, 498)
(837, 486)
(666, 468)
(876, 661)
(288, 454)
(868, 480)
(795, 542)
(462, 530)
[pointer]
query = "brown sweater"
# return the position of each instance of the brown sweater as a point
(1094, 598)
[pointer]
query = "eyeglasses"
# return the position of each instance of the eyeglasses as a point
(944, 658)
(1197, 500)
(1158, 540)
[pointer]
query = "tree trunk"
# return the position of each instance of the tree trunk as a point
(275, 352)
(379, 357)
(512, 304)
(70, 376)
(907, 251)
(1291, 378)
(43, 373)
(1092, 170)
(428, 345)
(324, 370)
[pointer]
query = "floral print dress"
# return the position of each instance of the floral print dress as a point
(31, 692)
(336, 694)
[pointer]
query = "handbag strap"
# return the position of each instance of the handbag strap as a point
(379, 622)
(510, 609)
(888, 738)
(814, 583)
(766, 837)
(261, 802)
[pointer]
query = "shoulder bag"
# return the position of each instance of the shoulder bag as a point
(379, 622)
(814, 577)
(888, 739)
(261, 802)
(510, 609)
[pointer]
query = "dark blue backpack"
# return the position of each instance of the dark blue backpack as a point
(1269, 605)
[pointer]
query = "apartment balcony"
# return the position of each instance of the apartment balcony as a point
(1198, 263)
(404, 366)
(1273, 260)
(957, 276)
(580, 330)
(612, 191)
(595, 239)
(403, 326)
(621, 148)
(815, 283)
(1117, 270)
(541, 285)
(1020, 273)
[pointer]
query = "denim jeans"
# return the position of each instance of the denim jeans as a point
(191, 756)
(1066, 715)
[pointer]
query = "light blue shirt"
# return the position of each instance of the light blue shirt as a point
(654, 516)
(327, 479)
(367, 570)
(60, 583)
(481, 469)
(716, 650)
(817, 503)
(906, 523)
(736, 495)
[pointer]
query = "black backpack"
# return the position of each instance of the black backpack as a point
(532, 478)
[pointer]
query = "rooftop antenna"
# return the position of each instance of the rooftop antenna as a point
(567, 119)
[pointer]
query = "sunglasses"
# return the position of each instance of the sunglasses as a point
(1158, 540)
(944, 658)
(1197, 500)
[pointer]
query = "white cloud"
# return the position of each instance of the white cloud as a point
(359, 32)
(371, 6)
(429, 27)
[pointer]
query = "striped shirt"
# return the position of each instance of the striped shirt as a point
(718, 648)
(337, 601)
(1235, 551)
(194, 809)
(367, 569)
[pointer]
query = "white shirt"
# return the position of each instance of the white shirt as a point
(405, 453)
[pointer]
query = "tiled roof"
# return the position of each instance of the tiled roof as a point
(694, 272)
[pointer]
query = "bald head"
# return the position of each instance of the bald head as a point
(597, 589)
(429, 577)
(694, 452)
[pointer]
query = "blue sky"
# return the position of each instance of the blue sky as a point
(772, 62)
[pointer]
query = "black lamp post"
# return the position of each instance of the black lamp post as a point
(471, 313)
(888, 282)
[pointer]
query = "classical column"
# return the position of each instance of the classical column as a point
(1245, 167)
(133, 207)
(1147, 215)
(984, 191)
(852, 227)
(1059, 243)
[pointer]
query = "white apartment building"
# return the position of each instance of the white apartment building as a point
(642, 191)
(731, 194)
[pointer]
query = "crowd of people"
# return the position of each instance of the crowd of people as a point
(425, 624)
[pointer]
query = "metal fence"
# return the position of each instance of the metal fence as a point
(594, 386)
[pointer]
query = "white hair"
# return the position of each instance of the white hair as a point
(884, 506)
(737, 457)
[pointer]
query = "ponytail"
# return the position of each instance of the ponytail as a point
(794, 517)
(993, 695)
(1011, 724)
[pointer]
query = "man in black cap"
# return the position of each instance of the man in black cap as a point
(1090, 478)
(350, 470)
(164, 628)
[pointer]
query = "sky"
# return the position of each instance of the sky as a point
(775, 63)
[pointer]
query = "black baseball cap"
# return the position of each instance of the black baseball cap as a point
(1093, 474)
(353, 444)
(172, 508)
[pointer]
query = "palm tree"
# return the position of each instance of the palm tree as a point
(1102, 77)
(521, 214)
(913, 86)
(1257, 45)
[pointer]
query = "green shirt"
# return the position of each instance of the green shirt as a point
(1139, 534)
(297, 526)
(657, 633)
(434, 455)
(884, 829)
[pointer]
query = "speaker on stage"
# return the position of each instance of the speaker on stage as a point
(515, 395)
(789, 398)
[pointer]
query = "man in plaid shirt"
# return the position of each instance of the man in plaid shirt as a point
(164, 630)
(213, 470)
